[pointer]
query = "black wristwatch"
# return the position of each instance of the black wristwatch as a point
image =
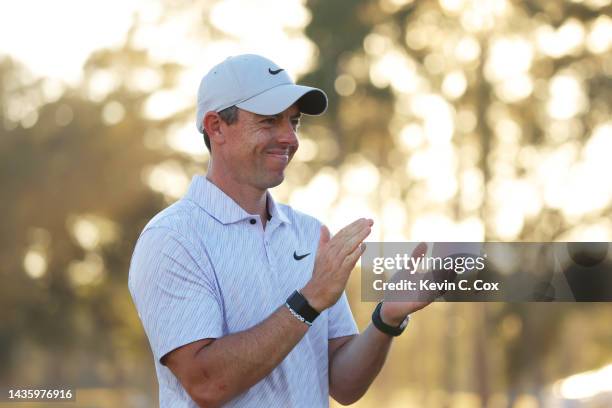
(384, 327)
(300, 308)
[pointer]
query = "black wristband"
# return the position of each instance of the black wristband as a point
(384, 327)
(298, 304)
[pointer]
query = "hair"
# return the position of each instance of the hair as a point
(228, 115)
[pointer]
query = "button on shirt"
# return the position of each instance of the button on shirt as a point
(205, 268)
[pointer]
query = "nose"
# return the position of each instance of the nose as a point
(288, 134)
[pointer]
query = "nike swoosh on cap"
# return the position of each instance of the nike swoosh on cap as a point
(276, 71)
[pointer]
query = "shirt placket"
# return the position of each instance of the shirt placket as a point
(268, 236)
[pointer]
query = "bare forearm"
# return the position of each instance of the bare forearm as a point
(232, 364)
(356, 364)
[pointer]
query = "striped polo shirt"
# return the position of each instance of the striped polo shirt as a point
(206, 268)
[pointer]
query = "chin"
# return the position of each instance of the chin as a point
(277, 182)
(273, 181)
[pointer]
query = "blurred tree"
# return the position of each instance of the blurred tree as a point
(74, 201)
(462, 106)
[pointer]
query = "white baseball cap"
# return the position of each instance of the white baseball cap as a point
(255, 84)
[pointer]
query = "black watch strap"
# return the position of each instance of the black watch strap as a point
(384, 327)
(300, 308)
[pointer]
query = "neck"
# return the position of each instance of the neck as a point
(250, 199)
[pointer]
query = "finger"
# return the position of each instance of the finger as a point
(420, 250)
(355, 226)
(337, 241)
(354, 241)
(350, 237)
(324, 236)
(351, 259)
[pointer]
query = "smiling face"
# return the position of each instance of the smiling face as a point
(257, 148)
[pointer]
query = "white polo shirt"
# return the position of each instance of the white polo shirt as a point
(205, 268)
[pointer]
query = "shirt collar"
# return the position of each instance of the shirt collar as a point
(275, 210)
(222, 207)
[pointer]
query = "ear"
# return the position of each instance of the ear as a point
(212, 124)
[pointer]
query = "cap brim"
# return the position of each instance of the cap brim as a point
(310, 101)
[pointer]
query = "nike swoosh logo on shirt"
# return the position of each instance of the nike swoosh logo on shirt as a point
(298, 257)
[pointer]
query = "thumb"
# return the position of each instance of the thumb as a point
(324, 237)
(420, 250)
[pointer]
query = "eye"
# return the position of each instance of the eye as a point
(295, 123)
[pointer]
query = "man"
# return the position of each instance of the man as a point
(242, 298)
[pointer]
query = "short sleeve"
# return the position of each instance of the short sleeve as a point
(174, 291)
(341, 322)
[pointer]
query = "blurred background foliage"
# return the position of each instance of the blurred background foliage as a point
(448, 120)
